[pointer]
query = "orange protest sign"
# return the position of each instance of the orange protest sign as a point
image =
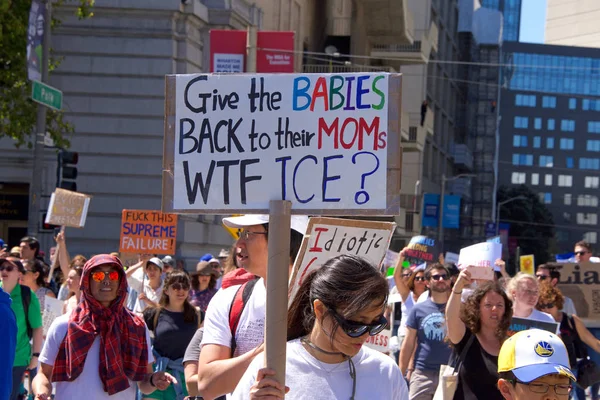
(144, 231)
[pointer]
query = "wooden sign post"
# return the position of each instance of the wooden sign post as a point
(313, 144)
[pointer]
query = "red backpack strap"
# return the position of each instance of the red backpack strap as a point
(237, 307)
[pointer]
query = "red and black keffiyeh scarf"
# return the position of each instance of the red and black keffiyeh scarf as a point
(123, 346)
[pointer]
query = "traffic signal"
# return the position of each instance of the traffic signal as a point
(67, 170)
(45, 226)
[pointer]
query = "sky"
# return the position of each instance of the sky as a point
(533, 21)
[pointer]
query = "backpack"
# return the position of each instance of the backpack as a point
(237, 307)
(26, 299)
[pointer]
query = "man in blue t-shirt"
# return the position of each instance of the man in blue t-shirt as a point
(426, 329)
(8, 344)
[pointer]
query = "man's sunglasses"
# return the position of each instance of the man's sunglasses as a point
(580, 253)
(441, 277)
(356, 329)
(100, 276)
(541, 277)
(180, 286)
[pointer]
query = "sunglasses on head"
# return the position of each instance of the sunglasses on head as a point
(180, 286)
(442, 277)
(356, 329)
(100, 276)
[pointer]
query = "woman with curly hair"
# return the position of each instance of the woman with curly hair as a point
(572, 330)
(478, 327)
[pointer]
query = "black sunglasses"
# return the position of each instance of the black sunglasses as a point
(541, 277)
(356, 329)
(180, 286)
(546, 305)
(439, 277)
(8, 268)
(580, 253)
(420, 279)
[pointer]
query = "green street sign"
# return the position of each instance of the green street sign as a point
(46, 95)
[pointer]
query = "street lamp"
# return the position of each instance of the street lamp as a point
(441, 210)
(498, 210)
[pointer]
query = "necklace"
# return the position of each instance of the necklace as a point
(351, 366)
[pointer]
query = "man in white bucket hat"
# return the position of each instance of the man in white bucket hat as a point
(233, 338)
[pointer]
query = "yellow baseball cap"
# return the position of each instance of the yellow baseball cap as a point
(534, 353)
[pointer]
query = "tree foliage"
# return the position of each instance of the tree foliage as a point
(530, 222)
(17, 110)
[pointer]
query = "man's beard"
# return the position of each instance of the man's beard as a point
(435, 288)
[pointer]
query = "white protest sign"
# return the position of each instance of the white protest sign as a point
(327, 143)
(67, 208)
(380, 342)
(451, 258)
(481, 258)
(223, 62)
(391, 258)
(329, 237)
(53, 308)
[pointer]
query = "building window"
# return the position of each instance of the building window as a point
(546, 161)
(591, 237)
(519, 141)
(522, 159)
(521, 122)
(593, 105)
(549, 102)
(567, 125)
(537, 142)
(550, 143)
(548, 180)
(572, 104)
(551, 124)
(593, 145)
(535, 179)
(546, 198)
(518, 178)
(587, 218)
(587, 200)
(565, 180)
(569, 162)
(589, 163)
(567, 199)
(409, 222)
(593, 126)
(591, 182)
(523, 100)
(567, 144)
(537, 123)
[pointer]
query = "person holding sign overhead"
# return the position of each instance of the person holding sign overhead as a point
(524, 290)
(477, 331)
(228, 349)
(334, 312)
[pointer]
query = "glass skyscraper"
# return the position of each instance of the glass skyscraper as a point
(511, 11)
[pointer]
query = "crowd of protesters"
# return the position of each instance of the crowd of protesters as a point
(155, 331)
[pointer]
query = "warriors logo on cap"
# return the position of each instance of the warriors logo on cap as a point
(544, 349)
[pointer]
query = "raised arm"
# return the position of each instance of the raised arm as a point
(218, 374)
(62, 255)
(456, 328)
(401, 282)
(502, 265)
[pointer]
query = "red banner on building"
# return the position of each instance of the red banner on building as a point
(272, 60)
(227, 51)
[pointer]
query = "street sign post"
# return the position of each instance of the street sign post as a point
(46, 95)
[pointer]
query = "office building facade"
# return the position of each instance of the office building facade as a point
(550, 133)
(573, 23)
(511, 15)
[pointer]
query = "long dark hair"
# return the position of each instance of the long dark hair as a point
(189, 311)
(40, 268)
(470, 312)
(346, 283)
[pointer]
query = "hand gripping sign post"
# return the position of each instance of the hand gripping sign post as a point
(283, 143)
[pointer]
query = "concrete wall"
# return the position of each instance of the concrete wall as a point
(573, 23)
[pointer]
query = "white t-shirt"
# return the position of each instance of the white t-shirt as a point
(537, 315)
(377, 377)
(406, 307)
(568, 306)
(88, 384)
(250, 330)
(142, 286)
